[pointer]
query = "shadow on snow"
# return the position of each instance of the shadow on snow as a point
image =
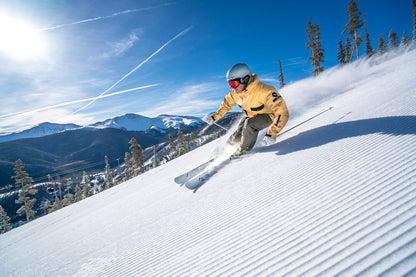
(395, 126)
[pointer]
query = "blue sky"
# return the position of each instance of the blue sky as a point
(159, 57)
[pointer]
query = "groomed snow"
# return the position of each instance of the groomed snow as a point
(335, 196)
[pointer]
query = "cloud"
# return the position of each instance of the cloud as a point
(120, 47)
(293, 61)
(270, 80)
(194, 100)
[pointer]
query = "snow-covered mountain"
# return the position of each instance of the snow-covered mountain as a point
(335, 196)
(128, 122)
(43, 129)
(135, 122)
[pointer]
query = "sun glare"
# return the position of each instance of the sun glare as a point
(19, 40)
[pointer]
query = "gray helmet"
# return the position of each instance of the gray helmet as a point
(238, 71)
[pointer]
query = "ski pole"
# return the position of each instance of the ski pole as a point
(330, 108)
(220, 126)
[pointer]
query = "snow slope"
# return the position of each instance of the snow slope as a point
(335, 196)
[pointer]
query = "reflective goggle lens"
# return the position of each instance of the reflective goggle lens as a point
(233, 83)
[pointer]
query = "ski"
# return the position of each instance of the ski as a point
(195, 178)
(182, 179)
(210, 170)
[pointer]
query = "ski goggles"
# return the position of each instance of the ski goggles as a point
(233, 83)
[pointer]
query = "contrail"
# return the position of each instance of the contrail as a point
(137, 67)
(104, 17)
(75, 102)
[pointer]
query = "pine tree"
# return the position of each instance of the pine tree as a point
(281, 78)
(45, 206)
(86, 185)
(156, 161)
(319, 52)
(369, 51)
(68, 198)
(4, 221)
(353, 25)
(78, 193)
(310, 44)
(109, 181)
(193, 142)
(172, 148)
(137, 155)
(405, 41)
(382, 47)
(341, 52)
(128, 169)
(25, 184)
(414, 20)
(182, 148)
(56, 205)
(348, 51)
(314, 44)
(393, 40)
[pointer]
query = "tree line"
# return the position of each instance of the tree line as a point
(350, 48)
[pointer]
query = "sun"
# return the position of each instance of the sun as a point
(19, 39)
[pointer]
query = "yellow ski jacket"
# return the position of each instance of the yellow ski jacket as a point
(257, 98)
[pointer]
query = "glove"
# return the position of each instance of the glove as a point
(268, 141)
(209, 119)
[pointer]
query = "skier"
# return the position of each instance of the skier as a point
(262, 105)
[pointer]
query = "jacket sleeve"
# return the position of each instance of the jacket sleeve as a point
(280, 117)
(227, 104)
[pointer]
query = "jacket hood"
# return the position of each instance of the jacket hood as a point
(254, 80)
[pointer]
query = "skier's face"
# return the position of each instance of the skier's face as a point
(239, 88)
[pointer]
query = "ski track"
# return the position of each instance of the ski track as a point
(258, 247)
(346, 207)
(267, 242)
(375, 193)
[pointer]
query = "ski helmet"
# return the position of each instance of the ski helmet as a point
(238, 71)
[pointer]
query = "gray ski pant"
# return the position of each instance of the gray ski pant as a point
(248, 130)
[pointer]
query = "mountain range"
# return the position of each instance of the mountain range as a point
(51, 148)
(128, 122)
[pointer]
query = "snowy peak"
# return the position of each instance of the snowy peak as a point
(129, 122)
(136, 122)
(43, 129)
(175, 121)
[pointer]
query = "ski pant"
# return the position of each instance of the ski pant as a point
(248, 130)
